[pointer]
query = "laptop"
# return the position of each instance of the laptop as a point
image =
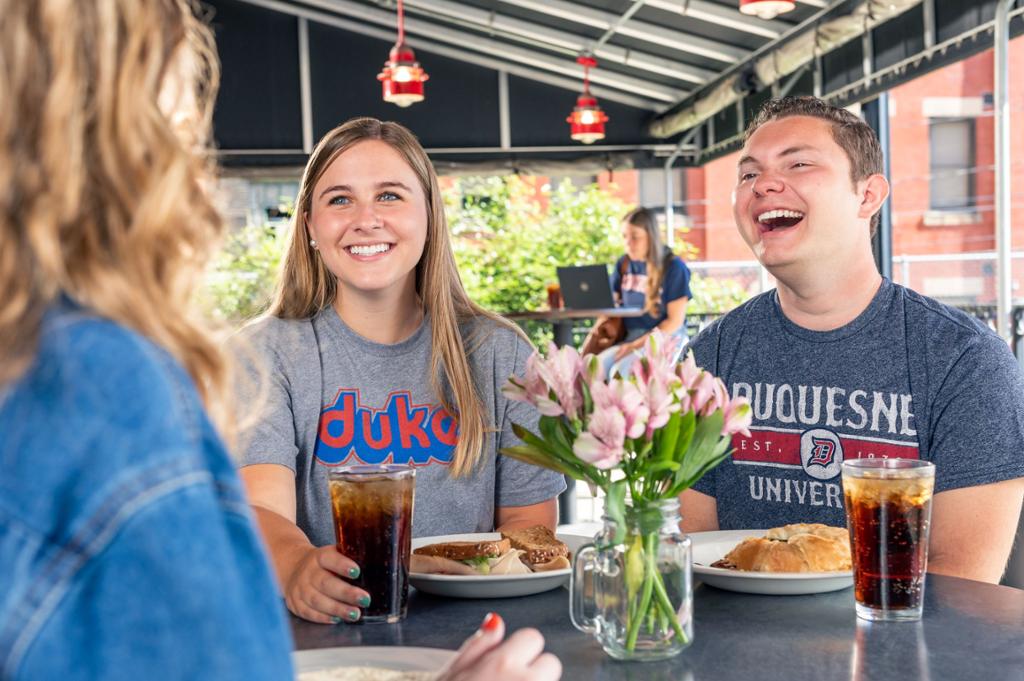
(586, 287)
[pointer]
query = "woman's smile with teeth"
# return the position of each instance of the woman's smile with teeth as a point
(369, 249)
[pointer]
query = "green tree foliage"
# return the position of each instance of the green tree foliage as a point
(711, 295)
(242, 278)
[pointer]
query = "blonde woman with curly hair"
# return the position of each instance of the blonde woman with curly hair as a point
(126, 548)
(377, 355)
(126, 545)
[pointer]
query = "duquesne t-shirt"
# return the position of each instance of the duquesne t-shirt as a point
(909, 377)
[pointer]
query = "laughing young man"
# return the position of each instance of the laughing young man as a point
(839, 362)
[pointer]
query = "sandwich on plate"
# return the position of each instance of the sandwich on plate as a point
(518, 552)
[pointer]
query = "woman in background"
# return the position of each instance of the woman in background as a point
(127, 549)
(648, 276)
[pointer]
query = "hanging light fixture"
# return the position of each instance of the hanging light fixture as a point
(586, 122)
(766, 9)
(402, 78)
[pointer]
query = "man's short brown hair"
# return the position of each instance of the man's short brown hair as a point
(852, 134)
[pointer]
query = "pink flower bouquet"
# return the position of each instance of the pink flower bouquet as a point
(649, 436)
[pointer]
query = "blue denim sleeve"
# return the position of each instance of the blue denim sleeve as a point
(175, 586)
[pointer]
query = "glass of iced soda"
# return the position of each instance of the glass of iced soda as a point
(373, 526)
(888, 512)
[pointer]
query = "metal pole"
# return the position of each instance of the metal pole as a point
(305, 90)
(1002, 113)
(670, 232)
(876, 112)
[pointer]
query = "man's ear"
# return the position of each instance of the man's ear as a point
(873, 193)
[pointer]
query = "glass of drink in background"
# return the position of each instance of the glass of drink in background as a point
(554, 296)
(888, 511)
(373, 526)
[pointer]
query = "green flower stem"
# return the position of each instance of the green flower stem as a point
(650, 577)
(666, 606)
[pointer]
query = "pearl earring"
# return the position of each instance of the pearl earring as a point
(312, 242)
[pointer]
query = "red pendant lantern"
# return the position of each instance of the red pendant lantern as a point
(766, 9)
(402, 78)
(586, 122)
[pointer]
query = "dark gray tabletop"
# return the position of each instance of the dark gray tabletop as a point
(969, 631)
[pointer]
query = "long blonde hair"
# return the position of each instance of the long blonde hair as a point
(101, 198)
(656, 257)
(306, 285)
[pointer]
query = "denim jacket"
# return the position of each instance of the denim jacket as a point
(127, 549)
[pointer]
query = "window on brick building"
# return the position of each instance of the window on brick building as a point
(952, 165)
(652, 190)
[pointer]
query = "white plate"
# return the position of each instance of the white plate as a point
(711, 546)
(396, 658)
(491, 586)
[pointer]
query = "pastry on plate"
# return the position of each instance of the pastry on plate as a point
(802, 547)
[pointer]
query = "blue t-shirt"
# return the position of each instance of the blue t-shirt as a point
(631, 287)
(909, 377)
(127, 548)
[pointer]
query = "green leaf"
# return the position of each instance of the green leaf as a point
(667, 438)
(659, 466)
(687, 427)
(615, 508)
(707, 449)
(531, 455)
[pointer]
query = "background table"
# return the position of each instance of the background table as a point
(561, 320)
(970, 631)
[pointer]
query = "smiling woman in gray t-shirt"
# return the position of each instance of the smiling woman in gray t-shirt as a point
(372, 352)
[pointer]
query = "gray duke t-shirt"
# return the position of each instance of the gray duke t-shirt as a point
(333, 398)
(908, 378)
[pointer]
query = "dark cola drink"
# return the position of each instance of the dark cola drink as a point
(373, 526)
(888, 511)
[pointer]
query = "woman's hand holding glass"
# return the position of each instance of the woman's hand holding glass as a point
(315, 590)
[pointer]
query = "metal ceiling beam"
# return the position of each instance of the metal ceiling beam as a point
(753, 56)
(553, 38)
(722, 16)
(647, 32)
(620, 22)
(485, 45)
(566, 83)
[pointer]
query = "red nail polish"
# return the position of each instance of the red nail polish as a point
(491, 622)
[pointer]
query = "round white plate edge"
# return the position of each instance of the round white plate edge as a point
(395, 658)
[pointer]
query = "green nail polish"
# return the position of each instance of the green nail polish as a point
(353, 615)
(353, 572)
(364, 601)
(335, 619)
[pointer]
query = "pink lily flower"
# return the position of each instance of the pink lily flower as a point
(561, 372)
(602, 443)
(702, 391)
(738, 417)
(658, 357)
(625, 397)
